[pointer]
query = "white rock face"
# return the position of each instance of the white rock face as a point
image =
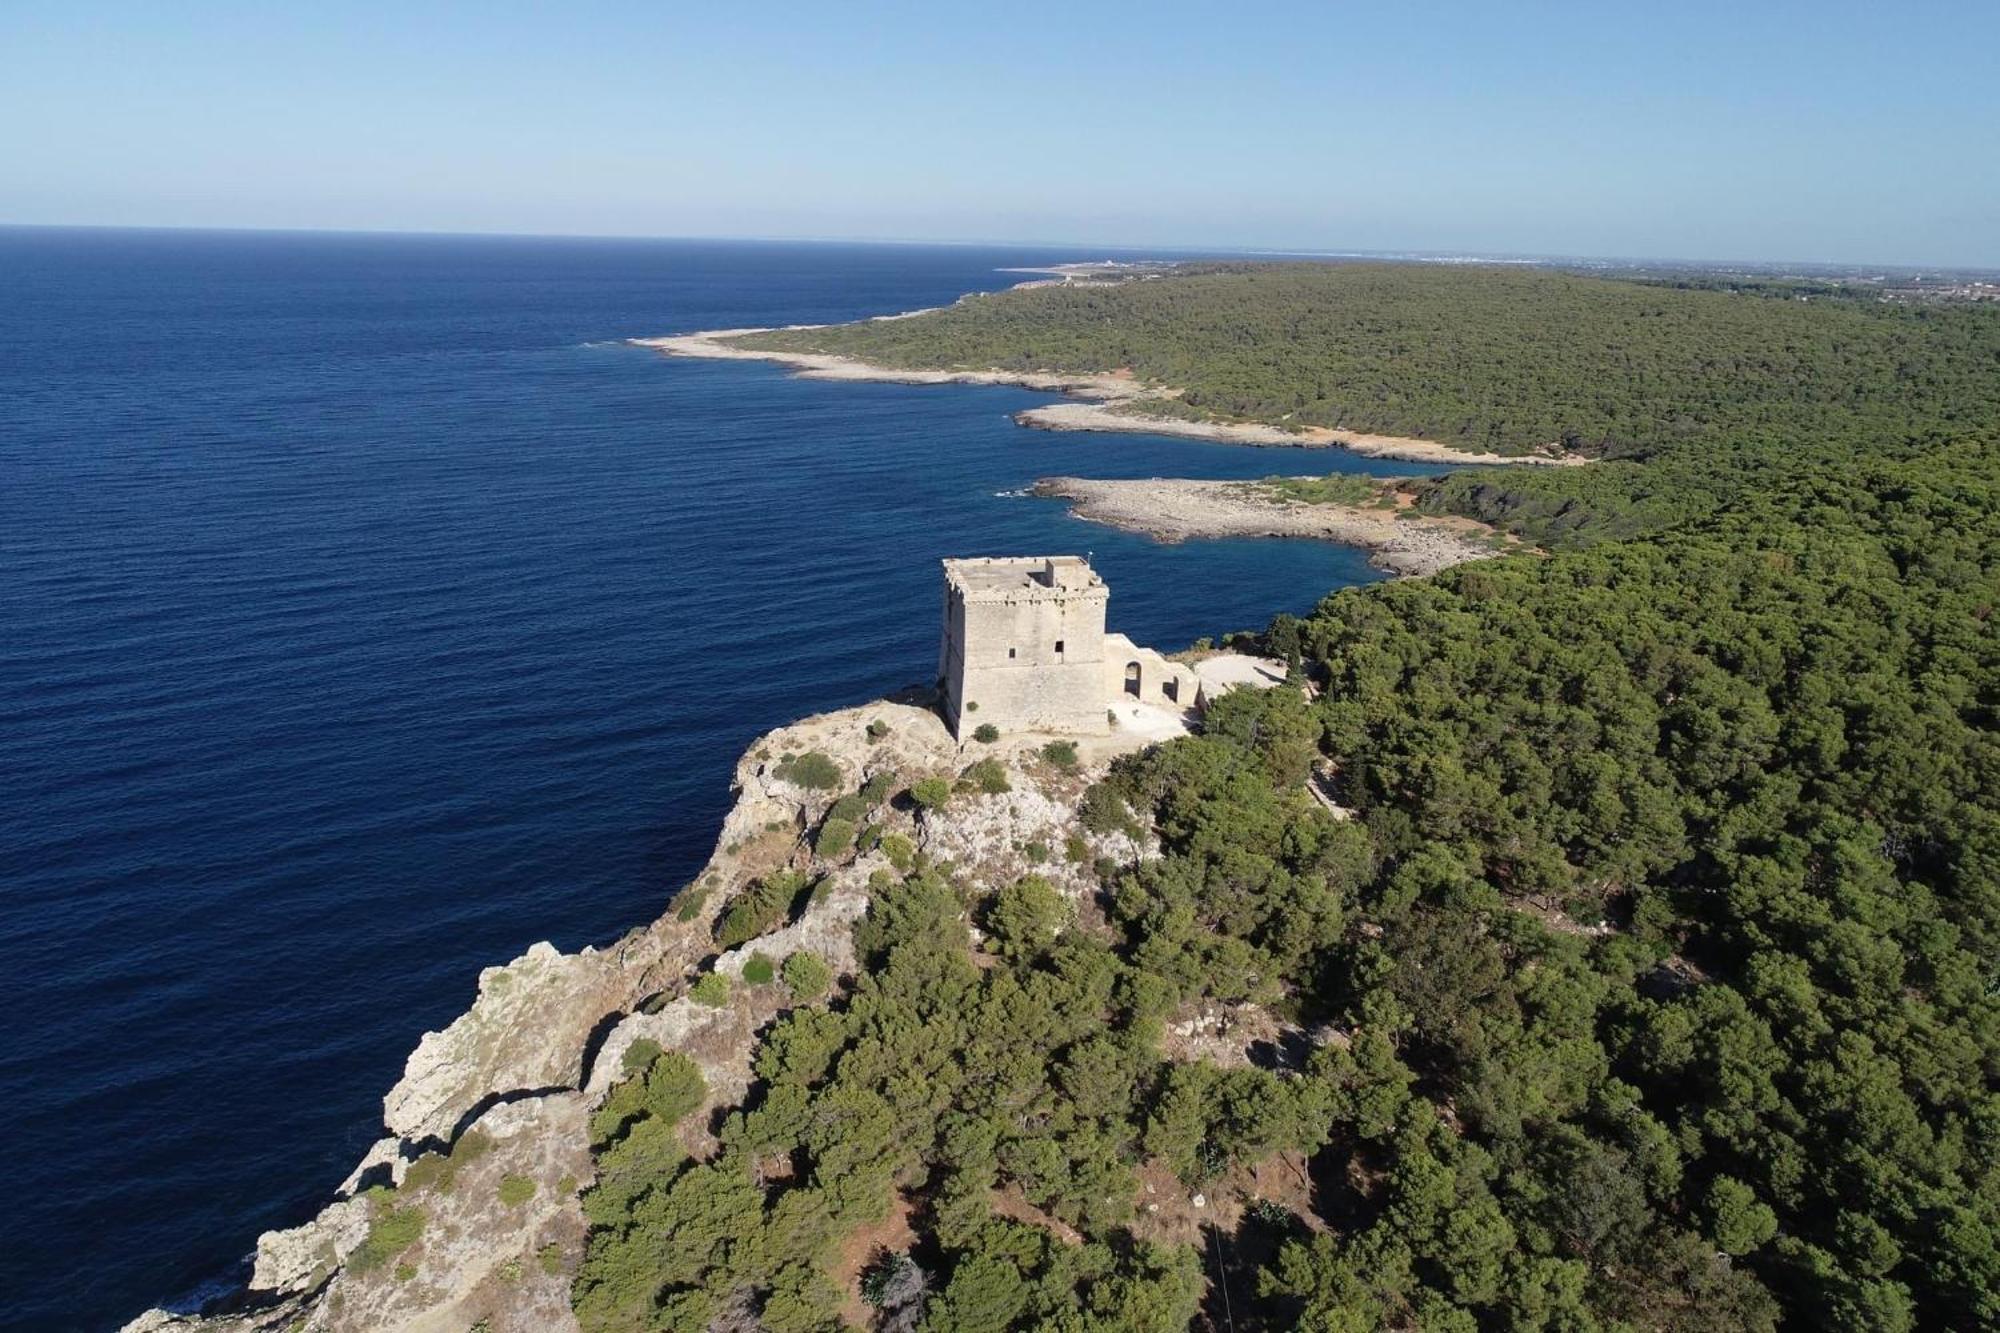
(295, 1259)
(526, 1031)
(514, 1066)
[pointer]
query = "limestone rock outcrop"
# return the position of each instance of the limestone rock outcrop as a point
(487, 1150)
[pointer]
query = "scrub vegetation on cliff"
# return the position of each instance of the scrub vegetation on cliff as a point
(1624, 917)
(1650, 985)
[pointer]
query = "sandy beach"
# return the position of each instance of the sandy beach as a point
(1104, 395)
(1174, 510)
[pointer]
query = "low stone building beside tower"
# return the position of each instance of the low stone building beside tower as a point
(1024, 648)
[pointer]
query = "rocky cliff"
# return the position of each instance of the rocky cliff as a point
(486, 1141)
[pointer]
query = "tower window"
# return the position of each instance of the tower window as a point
(1010, 652)
(1059, 644)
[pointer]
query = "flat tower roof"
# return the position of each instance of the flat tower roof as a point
(1021, 576)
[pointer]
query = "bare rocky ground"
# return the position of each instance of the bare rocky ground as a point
(507, 1089)
(1175, 510)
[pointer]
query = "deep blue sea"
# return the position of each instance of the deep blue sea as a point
(369, 611)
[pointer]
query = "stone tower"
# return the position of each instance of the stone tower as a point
(1023, 645)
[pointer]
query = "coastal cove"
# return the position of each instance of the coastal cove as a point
(1111, 403)
(380, 611)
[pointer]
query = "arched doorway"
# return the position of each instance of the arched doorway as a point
(1132, 679)
(1171, 688)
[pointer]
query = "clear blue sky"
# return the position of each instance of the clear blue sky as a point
(1754, 129)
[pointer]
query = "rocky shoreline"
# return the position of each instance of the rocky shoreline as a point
(1103, 398)
(1175, 510)
(487, 1139)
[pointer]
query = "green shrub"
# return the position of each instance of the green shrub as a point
(1076, 849)
(1104, 811)
(551, 1258)
(836, 836)
(989, 776)
(639, 1056)
(668, 1090)
(758, 909)
(850, 807)
(759, 970)
(879, 788)
(971, 705)
(931, 793)
(1060, 753)
(711, 989)
(868, 839)
(807, 976)
(1036, 852)
(405, 1272)
(391, 1230)
(986, 733)
(691, 903)
(511, 1270)
(811, 769)
(439, 1171)
(900, 851)
(877, 729)
(516, 1190)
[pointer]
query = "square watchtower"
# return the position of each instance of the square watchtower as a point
(1023, 645)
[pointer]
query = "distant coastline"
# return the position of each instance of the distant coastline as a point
(1107, 401)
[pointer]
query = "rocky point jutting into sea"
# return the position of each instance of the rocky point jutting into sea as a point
(468, 1211)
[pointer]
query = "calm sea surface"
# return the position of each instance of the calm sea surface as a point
(369, 612)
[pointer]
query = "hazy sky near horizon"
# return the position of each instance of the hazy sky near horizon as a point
(1751, 130)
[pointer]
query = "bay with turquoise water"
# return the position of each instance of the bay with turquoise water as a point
(370, 611)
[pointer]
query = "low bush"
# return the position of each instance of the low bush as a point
(989, 776)
(986, 733)
(1104, 811)
(711, 989)
(811, 769)
(807, 976)
(1060, 753)
(639, 1056)
(666, 1090)
(759, 970)
(931, 793)
(516, 1190)
(391, 1230)
(836, 836)
(439, 1171)
(899, 849)
(758, 909)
